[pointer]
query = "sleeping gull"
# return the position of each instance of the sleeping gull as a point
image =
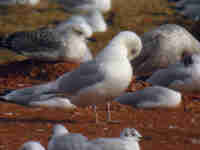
(32, 145)
(53, 44)
(128, 140)
(94, 18)
(82, 6)
(151, 97)
(20, 2)
(62, 139)
(96, 81)
(183, 76)
(163, 46)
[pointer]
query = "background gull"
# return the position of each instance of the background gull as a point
(82, 6)
(64, 44)
(32, 145)
(183, 76)
(151, 97)
(163, 46)
(62, 139)
(94, 82)
(94, 18)
(20, 2)
(128, 140)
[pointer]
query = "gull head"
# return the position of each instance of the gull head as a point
(129, 44)
(103, 5)
(59, 130)
(30, 2)
(96, 20)
(131, 133)
(32, 145)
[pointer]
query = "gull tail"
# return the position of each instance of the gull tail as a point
(25, 95)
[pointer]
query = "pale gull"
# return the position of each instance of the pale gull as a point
(32, 145)
(20, 2)
(183, 76)
(62, 139)
(96, 81)
(63, 44)
(128, 140)
(163, 46)
(82, 6)
(151, 97)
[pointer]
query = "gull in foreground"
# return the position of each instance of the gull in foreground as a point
(183, 76)
(94, 82)
(32, 145)
(52, 44)
(151, 97)
(128, 140)
(159, 49)
(20, 2)
(62, 139)
(82, 6)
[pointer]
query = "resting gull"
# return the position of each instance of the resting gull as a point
(20, 2)
(32, 145)
(128, 140)
(62, 139)
(96, 81)
(151, 97)
(163, 46)
(183, 76)
(52, 44)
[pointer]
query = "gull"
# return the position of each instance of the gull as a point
(94, 82)
(163, 46)
(94, 18)
(183, 76)
(62, 139)
(128, 140)
(52, 44)
(32, 145)
(83, 6)
(151, 97)
(20, 2)
(183, 3)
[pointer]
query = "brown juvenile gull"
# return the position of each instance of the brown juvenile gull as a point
(163, 46)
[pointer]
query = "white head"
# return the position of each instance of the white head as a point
(78, 24)
(96, 20)
(32, 145)
(103, 5)
(131, 133)
(29, 2)
(125, 44)
(59, 130)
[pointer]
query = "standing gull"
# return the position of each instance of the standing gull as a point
(94, 82)
(163, 46)
(53, 44)
(32, 145)
(82, 6)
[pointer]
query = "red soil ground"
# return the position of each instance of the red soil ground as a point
(169, 129)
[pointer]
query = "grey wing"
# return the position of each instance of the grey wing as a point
(86, 75)
(109, 143)
(76, 3)
(164, 77)
(39, 40)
